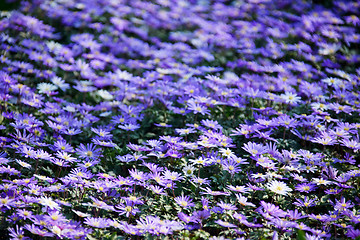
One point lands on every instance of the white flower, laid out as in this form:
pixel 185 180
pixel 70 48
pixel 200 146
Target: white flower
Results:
pixel 105 114
pixel 81 214
pixel 46 87
pixel 23 164
pixel 278 187
pixel 56 230
pixel 44 178
pixel 60 83
pixel 329 49
pixel 243 200
pixel 123 75
pixel 189 170
pixel 48 202
pixel 331 81
pixel 70 109
pixel 318 106
pixel 290 98
pixel 106 95
pixel 227 153
pixel 321 181
pixel 53 46
pixel 201 160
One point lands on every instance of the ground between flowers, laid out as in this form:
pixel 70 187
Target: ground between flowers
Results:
pixel 173 119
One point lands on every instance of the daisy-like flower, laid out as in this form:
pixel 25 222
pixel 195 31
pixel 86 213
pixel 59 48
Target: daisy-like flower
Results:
pixel 173 176
pixel 343 204
pixel 46 88
pixel 129 127
pixel 103 133
pixel 197 108
pixel 321 181
pixel 23 164
pixel 81 214
pixel 208 191
pixel 290 98
pixel 89 151
pixel 243 200
pixel 306 187
pixel 60 83
pixel 227 153
pixel 225 224
pixel 211 124
pixel 201 161
pixel 162 124
pixel 48 202
pixel 270 209
pixel 157 190
pixel 17 233
pixel 106 95
pixel 37 231
pixel 231 166
pixel 226 206
pixel 7 202
pixel 103 143
pixel 254 149
pixel 189 170
pixel 278 187
pixel 184 201
pixel 307 202
pixel 350 143
pixel 127 209
pixel 331 81
pixel 200 181
pixel 97 222
pixel 240 189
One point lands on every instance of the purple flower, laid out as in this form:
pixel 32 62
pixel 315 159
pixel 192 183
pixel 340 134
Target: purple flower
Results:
pixel 89 151
pixel 282 224
pixel 231 166
pixel 294 214
pixel 6 202
pixel 186 218
pixel 353 233
pixel 208 191
pixel 197 108
pixel 306 187
pixel 138 175
pixel 352 19
pixel 272 209
pixel 307 202
pixel 184 201
pixel 226 206
pixel 38 231
pixel 201 215
pixel 17 233
pixel 343 204
pixel 333 191
pixel 81 173
pixel 225 224
pixel 129 127
pixel 127 209
pixel 211 124
pixel 254 149
pixel 158 190
pixel 97 222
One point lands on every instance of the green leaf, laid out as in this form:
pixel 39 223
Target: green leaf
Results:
pixel 113 236
pixel 300 235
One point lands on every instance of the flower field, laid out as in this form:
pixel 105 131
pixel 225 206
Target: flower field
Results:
pixel 180 119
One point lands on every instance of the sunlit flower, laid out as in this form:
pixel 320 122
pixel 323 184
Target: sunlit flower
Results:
pixel 278 187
